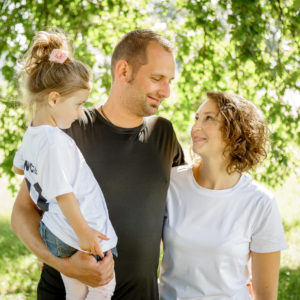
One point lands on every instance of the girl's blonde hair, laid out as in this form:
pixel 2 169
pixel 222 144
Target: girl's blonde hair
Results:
pixel 42 76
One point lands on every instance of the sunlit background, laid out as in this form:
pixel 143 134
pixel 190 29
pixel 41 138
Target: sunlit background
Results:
pixel 247 47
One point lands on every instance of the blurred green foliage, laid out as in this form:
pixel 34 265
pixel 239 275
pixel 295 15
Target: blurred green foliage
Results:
pixel 247 47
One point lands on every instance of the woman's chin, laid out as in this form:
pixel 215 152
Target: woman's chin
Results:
pixel 197 150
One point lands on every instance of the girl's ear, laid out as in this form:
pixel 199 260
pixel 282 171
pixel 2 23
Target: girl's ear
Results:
pixel 53 98
pixel 123 71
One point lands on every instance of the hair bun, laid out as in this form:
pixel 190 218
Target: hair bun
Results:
pixel 43 44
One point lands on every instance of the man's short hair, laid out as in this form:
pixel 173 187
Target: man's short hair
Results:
pixel 133 48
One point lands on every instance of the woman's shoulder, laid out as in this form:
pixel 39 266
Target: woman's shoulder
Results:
pixel 258 191
pixel 181 172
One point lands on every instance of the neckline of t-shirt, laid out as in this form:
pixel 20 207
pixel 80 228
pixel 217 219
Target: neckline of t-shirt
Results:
pixel 117 128
pixel 216 192
pixel 43 126
pixel 37 129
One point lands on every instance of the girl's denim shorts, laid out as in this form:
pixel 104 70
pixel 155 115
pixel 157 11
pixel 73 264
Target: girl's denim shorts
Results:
pixel 58 247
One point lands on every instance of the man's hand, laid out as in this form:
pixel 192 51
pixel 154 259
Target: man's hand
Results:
pixel 86 269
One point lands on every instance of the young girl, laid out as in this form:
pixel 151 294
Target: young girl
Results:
pixel 59 180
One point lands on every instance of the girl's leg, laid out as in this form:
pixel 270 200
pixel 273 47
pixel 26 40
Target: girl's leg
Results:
pixel 104 292
pixel 75 290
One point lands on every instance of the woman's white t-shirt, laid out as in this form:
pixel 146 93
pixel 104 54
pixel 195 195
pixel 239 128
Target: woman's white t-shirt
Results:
pixel 208 235
pixel 53 165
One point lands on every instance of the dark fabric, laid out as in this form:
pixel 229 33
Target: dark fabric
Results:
pixel 132 167
pixel 50 286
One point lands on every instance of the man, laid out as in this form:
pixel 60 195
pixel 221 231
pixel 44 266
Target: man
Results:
pixel 131 157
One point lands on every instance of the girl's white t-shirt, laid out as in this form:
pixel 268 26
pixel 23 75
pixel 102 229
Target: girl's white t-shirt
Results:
pixel 208 235
pixel 53 165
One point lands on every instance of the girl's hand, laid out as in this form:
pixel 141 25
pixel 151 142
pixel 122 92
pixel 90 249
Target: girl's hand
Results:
pixel 89 241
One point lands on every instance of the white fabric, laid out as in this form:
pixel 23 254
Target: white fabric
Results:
pixel 76 290
pixel 208 235
pixel 51 158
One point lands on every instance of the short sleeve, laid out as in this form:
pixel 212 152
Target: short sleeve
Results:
pixel 18 159
pixel 268 234
pixel 54 174
pixel 178 154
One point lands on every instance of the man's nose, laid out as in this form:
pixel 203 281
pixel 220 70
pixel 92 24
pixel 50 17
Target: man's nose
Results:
pixel 164 91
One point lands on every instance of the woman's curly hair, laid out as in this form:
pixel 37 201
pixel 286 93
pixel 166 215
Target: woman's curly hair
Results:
pixel 244 130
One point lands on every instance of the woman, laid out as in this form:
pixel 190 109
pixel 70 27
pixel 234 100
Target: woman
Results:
pixel 218 217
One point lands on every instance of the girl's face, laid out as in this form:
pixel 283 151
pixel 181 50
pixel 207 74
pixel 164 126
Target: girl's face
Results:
pixel 68 109
pixel 206 132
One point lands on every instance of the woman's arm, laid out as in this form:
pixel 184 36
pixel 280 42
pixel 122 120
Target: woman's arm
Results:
pixel 265 273
pixel 25 222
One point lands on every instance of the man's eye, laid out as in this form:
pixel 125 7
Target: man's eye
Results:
pixel 155 79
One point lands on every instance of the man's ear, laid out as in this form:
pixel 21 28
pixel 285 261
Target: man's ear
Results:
pixel 123 71
pixel 53 98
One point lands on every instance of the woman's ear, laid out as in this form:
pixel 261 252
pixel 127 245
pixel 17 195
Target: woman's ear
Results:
pixel 53 98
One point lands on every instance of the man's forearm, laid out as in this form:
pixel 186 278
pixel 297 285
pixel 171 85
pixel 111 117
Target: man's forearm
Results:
pixel 25 222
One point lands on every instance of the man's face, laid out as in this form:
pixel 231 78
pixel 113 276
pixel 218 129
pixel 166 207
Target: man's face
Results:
pixel 151 82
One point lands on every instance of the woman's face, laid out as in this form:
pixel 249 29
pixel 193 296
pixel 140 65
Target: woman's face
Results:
pixel 206 132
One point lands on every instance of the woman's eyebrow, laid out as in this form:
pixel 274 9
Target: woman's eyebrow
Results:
pixel 210 113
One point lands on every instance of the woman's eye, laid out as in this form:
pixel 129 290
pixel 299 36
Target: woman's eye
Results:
pixel 209 118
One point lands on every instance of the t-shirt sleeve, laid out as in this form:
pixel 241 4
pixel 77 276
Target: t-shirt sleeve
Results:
pixel 178 158
pixel 18 159
pixel 268 234
pixel 54 176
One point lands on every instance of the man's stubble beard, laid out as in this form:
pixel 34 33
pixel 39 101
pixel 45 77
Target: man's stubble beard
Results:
pixel 140 104
pixel 149 109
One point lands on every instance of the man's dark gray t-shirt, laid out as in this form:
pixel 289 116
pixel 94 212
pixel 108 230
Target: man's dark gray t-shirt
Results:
pixel 132 167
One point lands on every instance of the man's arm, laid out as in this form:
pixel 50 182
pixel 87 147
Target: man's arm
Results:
pixel 25 222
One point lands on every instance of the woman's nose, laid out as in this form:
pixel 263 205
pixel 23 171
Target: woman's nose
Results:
pixel 197 126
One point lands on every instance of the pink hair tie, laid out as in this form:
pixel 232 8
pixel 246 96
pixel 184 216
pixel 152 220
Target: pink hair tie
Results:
pixel 58 56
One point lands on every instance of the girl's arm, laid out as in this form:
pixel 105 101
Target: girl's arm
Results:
pixel 88 237
pixel 17 170
pixel 265 273
pixel 25 222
